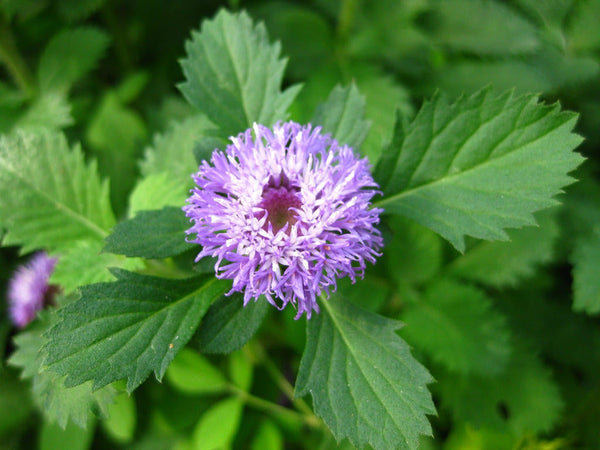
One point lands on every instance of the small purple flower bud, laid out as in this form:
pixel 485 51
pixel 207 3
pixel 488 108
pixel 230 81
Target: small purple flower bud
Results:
pixel 286 212
pixel 28 289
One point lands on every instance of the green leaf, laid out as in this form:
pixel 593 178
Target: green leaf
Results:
pixel 73 10
pixel 192 373
pixel 342 115
pixel 15 398
pixel 240 370
pixel 523 399
pixel 84 263
pixel 228 324
pixel 150 234
pixel 364 382
pixel 586 283
pixel 233 74
pixel 50 110
pixel 69 56
pixel 483 27
pixel 478 166
pixel 49 197
pixel 122 417
pixel 173 151
pixel 217 426
pixel 500 264
pixel 582 33
pixel 156 191
pixel 128 328
pixel 55 437
pixel 456 325
pixel 58 403
pixel 268 437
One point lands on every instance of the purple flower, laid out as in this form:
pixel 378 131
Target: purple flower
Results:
pixel 285 212
pixel 29 288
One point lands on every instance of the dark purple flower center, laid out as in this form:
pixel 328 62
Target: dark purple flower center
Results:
pixel 278 198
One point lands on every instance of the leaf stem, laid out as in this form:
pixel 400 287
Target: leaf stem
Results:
pixel 272 408
pixel 13 60
pixel 285 386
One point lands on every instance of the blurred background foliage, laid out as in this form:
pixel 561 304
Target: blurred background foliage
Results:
pixel 116 91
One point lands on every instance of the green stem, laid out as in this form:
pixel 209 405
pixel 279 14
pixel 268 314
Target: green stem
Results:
pixel 286 387
pixel 269 407
pixel 13 60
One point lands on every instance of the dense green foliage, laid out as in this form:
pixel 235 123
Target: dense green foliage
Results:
pixel 478 326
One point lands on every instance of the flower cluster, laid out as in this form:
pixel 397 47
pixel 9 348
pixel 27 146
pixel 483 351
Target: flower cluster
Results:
pixel 28 289
pixel 285 212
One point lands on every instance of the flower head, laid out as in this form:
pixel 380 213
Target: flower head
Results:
pixel 29 288
pixel 285 212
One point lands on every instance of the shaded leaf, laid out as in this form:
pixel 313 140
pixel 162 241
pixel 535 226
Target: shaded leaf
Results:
pixel 150 234
pixel 586 267
pixel 456 325
pixel 69 56
pixel 363 380
pixel 233 74
pixel 228 324
pixel 217 426
pixel 342 115
pixel 192 373
pixel 127 328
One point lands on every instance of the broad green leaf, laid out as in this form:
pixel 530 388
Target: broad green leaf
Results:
pixel 268 437
pixel 58 403
pixel 582 32
pixel 116 133
pixel 586 267
pixel 342 115
pixel 69 56
pixel 127 328
pixel 483 27
pixel 233 74
pixel 173 151
pixel 50 110
pixel 414 254
pixel 363 380
pixel 84 263
pixel 121 418
pixel 478 166
pixel 501 264
pixel 157 191
pixel 150 234
pixel 49 197
pixel 54 437
pixel 240 370
pixel 217 426
pixel 192 373
pixel 523 399
pixel 228 324
pixel 73 10
pixel 456 325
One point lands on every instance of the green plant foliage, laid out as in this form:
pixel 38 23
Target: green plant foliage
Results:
pixel 84 263
pixel 192 373
pixel 456 325
pixel 475 167
pixel 342 115
pixel 53 437
pixel 121 418
pixel 128 328
pixel 69 56
pixel 156 191
pixel 500 264
pixel 150 234
pixel 233 74
pixel 61 405
pixel 50 111
pixel 57 199
pixel 498 30
pixel 363 380
pixel 218 425
pixel 229 324
pixel 523 399
pixel 586 283
pixel 14 398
